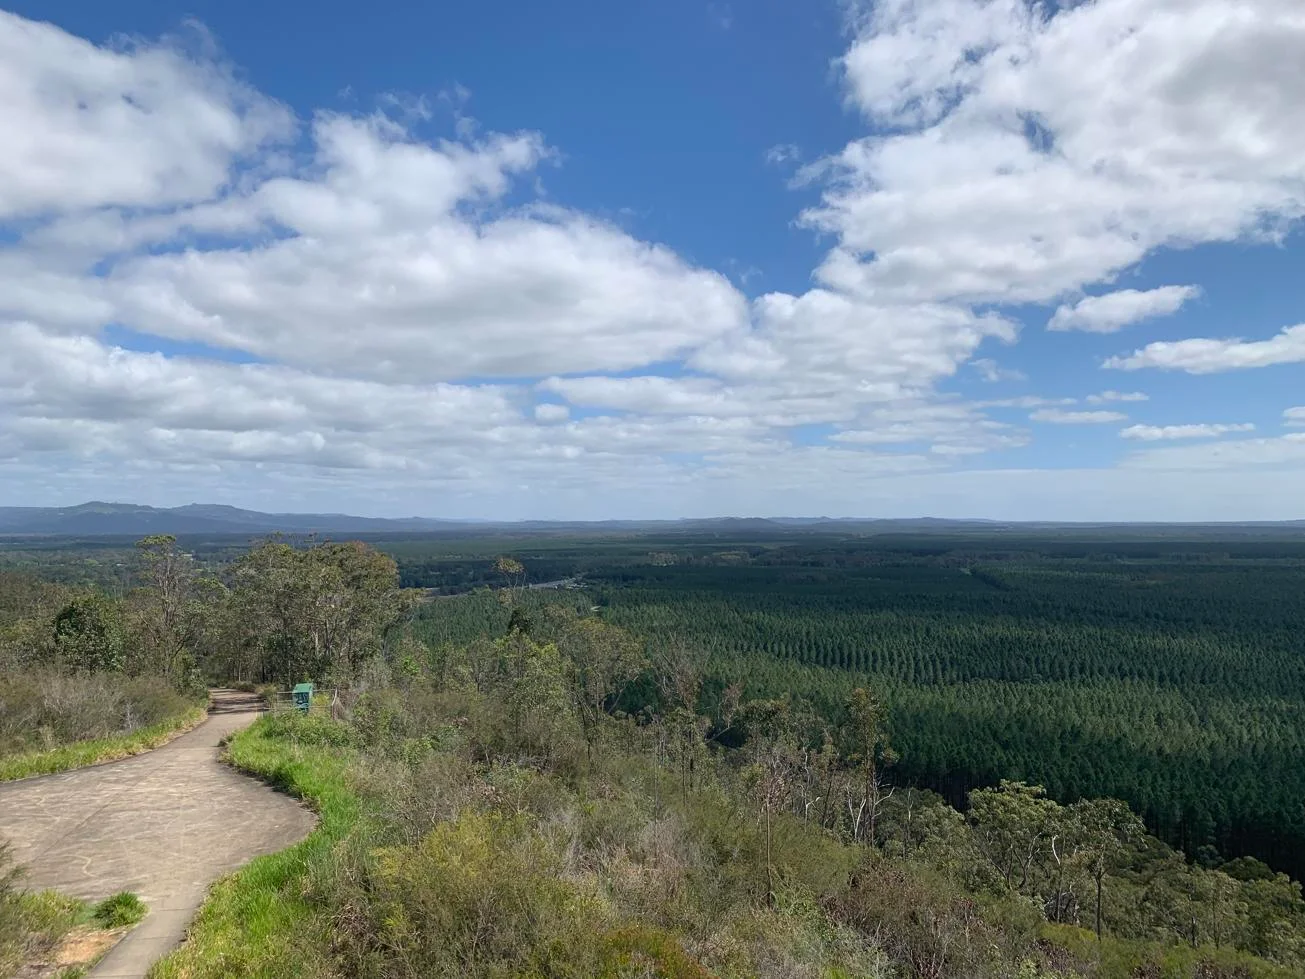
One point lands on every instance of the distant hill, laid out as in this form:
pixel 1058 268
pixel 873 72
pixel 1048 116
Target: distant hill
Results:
pixel 98 519
pixel 128 519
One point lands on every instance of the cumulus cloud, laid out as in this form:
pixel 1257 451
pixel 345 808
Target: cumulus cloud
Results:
pixel 550 412
pixel 1116 310
pixel 1206 356
pixel 384 274
pixel 408 301
pixel 1294 416
pixel 829 337
pixel 1056 416
pixel 143 126
pixel 1029 150
pixel 1159 433
pixel 76 394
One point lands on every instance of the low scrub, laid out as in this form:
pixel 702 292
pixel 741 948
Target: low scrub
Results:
pixel 41 710
pixel 98 750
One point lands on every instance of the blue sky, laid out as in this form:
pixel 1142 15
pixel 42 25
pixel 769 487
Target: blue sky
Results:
pixel 615 260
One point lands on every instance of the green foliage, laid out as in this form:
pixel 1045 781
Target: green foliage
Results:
pixel 294 613
pixel 95 751
pixel 1173 681
pixel 467 832
pixel 51 721
pixel 481 895
pixel 119 910
pixel 1166 672
pixel 88 634
pixel 31 924
pixel 693 776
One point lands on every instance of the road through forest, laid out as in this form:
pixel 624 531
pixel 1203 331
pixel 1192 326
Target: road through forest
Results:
pixel 165 825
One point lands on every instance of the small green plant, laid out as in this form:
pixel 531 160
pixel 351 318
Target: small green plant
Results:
pixel 119 911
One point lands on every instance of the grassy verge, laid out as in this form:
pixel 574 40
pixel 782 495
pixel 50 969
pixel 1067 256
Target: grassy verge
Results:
pixel 82 753
pixel 38 924
pixel 256 922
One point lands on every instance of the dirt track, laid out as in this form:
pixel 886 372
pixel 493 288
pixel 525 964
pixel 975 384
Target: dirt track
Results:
pixel 164 824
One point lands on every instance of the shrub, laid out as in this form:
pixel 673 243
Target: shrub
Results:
pixel 481 895
pixel 120 910
pixel 922 920
pixel 310 729
pixel 11 924
pixel 42 708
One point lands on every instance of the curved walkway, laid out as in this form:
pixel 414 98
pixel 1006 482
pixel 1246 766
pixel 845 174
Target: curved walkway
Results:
pixel 165 824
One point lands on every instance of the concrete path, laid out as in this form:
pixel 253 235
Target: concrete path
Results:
pixel 165 824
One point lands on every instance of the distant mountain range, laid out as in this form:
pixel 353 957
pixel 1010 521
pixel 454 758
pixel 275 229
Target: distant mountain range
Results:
pixel 129 519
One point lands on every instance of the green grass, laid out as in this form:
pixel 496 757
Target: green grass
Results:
pixel 82 753
pixel 119 911
pixel 34 923
pixel 257 922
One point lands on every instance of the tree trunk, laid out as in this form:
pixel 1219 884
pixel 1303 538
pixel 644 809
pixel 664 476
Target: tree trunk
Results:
pixel 770 878
pixel 1099 878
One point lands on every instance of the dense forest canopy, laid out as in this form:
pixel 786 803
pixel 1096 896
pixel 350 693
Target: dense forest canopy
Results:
pixel 1170 673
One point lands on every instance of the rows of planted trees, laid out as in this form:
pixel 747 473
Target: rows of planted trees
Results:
pixel 1168 674
pixel 1177 684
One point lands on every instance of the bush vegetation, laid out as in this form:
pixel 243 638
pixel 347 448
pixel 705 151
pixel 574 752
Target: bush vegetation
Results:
pixel 493 808
pixel 52 721
pixel 531 789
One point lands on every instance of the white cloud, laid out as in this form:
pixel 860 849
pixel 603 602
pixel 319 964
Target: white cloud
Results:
pixel 825 337
pixel 1056 416
pixel 1205 356
pixel 74 394
pixel 412 299
pixel 1287 450
pixel 783 154
pixel 1028 151
pixel 549 413
pixel 992 372
pixel 1113 397
pixel 647 395
pixel 1116 310
pixel 384 274
pixel 949 428
pixel 143 126
pixel 1026 401
pixel 1159 433
pixel 1294 416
